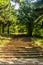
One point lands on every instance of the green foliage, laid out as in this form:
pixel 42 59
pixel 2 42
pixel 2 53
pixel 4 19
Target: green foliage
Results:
pixel 6 18
pixel 27 19
pixel 4 3
pixel 38 22
pixel 38 29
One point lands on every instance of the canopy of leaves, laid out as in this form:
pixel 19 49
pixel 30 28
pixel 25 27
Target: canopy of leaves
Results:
pixel 28 17
pixel 4 3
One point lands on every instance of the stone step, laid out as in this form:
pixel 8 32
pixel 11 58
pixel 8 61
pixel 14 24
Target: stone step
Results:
pixel 19 52
pixel 20 56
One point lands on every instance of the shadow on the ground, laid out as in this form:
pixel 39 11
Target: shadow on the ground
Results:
pixel 27 39
pixel 14 35
pixel 19 35
pixel 23 37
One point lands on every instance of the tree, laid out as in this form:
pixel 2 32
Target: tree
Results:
pixel 25 16
pixel 38 22
pixel 7 15
pixel 3 5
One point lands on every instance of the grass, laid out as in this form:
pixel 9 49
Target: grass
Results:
pixel 38 42
pixel 4 40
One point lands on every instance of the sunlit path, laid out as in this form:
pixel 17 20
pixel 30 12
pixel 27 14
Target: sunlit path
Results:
pixel 19 51
pixel 21 61
pixel 21 56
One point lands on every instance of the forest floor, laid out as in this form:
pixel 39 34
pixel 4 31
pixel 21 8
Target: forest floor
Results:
pixel 21 41
pixel 20 47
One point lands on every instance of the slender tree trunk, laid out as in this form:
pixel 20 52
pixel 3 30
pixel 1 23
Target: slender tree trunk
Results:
pixel 8 29
pixel 29 32
pixel 0 28
pixel 30 29
pixel 3 28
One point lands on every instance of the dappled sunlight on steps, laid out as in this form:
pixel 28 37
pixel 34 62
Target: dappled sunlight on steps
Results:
pixel 20 52
pixel 21 61
pixel 20 56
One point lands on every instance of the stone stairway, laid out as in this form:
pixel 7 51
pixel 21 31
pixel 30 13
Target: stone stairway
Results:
pixel 20 52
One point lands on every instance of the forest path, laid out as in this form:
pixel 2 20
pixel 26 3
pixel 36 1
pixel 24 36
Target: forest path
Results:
pixel 19 51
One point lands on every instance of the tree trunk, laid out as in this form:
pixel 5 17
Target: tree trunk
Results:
pixel 8 29
pixel 29 32
pixel 30 29
pixel 2 28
